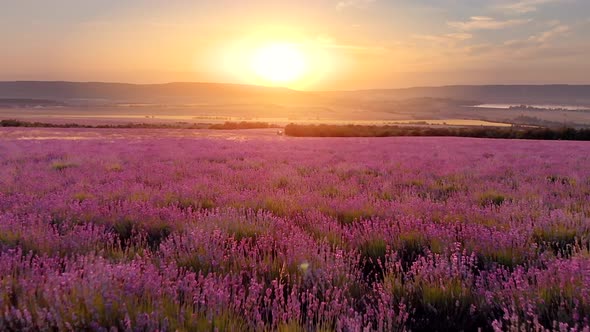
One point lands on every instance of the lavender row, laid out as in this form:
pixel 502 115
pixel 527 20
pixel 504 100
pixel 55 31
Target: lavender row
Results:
pixel 193 233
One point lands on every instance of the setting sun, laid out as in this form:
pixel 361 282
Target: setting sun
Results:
pixel 279 63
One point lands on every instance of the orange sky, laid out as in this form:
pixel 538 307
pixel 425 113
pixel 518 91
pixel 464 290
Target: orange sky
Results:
pixel 348 44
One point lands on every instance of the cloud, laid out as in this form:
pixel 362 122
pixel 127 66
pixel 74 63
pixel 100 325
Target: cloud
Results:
pixel 540 45
pixel 556 31
pixel 344 4
pixel 541 39
pixel 354 48
pixel 479 49
pixel 485 23
pixel 328 42
pixel 459 36
pixel 445 38
pixel 548 44
pixel 525 6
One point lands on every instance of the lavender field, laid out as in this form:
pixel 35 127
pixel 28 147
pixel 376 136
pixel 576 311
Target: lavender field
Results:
pixel 143 230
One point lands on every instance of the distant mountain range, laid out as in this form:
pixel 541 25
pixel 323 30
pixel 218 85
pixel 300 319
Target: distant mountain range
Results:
pixel 204 93
pixel 523 94
pixel 168 93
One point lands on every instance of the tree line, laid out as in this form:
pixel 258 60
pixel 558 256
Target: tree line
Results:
pixel 514 132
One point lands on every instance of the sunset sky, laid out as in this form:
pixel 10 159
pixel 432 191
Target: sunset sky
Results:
pixel 323 44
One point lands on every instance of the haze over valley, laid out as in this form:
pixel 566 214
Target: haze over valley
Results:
pixel 214 102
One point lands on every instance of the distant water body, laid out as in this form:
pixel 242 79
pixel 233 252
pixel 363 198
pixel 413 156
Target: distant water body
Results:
pixel 507 106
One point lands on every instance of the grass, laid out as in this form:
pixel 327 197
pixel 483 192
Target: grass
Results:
pixel 196 261
pixel 410 246
pixel 564 180
pixel 437 305
pixel 82 196
pixel 349 216
pixel 114 167
pixel 442 189
pixel 384 196
pixel 244 231
pixel 448 305
pixel 373 253
pixel 186 202
pixel 84 310
pixel 330 192
pixel 332 237
pixel 280 207
pixel 10 239
pixel 60 165
pixel 558 238
pixel 282 183
pixel 393 283
pixel 156 233
pixel 505 256
pixel 130 232
pixel 491 198
pixel 297 327
pixel 557 303
pixel 445 297
pixel 124 229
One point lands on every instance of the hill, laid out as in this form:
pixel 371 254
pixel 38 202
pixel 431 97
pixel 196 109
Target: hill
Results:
pixel 168 93
pixel 248 102
pixel 192 92
pixel 526 94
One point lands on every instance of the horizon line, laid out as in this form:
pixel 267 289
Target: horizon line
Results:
pixel 292 89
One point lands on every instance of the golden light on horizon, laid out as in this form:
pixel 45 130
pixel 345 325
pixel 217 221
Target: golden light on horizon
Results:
pixel 279 63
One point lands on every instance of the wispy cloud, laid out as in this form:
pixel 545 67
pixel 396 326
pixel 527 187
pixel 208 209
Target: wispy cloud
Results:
pixel 478 49
pixel 485 23
pixel 556 31
pixel 525 6
pixel 327 42
pixel 445 38
pixel 543 45
pixel 343 4
pixel 542 39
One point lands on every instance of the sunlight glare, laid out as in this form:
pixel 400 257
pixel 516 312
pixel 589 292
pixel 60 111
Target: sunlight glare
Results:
pixel 279 63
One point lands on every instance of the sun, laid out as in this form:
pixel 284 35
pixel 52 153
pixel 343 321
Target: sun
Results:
pixel 279 63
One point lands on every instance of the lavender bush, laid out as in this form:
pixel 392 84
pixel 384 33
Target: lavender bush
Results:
pixel 138 230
